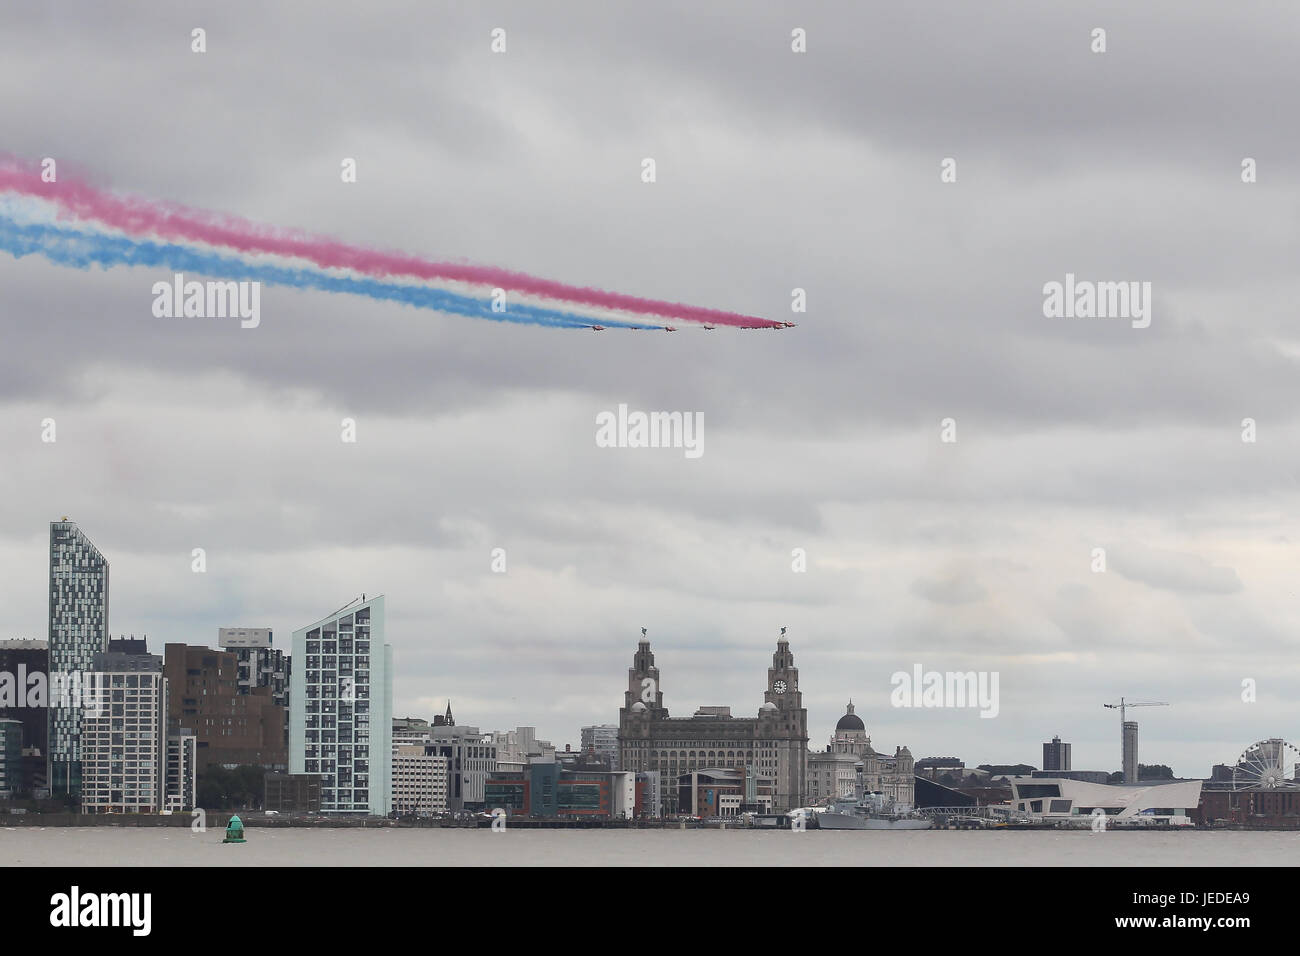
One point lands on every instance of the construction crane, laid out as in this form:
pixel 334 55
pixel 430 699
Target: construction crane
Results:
pixel 1135 703
pixel 1122 707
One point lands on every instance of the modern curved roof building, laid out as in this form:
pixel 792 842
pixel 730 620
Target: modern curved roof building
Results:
pixel 1061 798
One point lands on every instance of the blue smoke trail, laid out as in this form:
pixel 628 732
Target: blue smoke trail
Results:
pixel 81 250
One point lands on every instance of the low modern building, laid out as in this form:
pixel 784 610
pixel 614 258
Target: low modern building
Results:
pixel 650 798
pixel 546 790
pixel 1065 799
pixel 293 793
pixel 724 792
pixel 1087 776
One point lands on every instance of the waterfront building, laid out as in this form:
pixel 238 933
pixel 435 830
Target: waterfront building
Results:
pixel 341 708
pixel 851 767
pixel 27 664
pixel 1268 809
pixel 1070 800
pixel 723 792
pixel 124 732
pixel 1088 776
pixel 292 793
pixel 602 740
pixel 773 744
pixel 78 622
pixel 420 781
pixel 572 759
pixel 259 665
pixel 831 776
pixel 894 776
pixel 1056 755
pixel 233 726
pixel 650 801
pixel 470 754
pixel 836 772
pixel 545 789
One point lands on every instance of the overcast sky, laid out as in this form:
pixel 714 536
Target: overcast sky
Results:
pixel 775 170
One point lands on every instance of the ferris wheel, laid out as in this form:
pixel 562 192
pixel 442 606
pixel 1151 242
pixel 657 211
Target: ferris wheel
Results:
pixel 1267 765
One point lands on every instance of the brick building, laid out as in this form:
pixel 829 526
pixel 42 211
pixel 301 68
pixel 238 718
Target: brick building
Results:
pixel 231 728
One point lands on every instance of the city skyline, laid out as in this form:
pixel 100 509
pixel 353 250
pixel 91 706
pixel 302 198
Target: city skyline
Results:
pixel 263 637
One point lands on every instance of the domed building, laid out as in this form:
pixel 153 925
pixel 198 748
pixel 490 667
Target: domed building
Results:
pixel 850 766
pixel 850 734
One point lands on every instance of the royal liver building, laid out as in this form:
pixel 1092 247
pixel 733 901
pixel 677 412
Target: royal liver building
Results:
pixel 773 746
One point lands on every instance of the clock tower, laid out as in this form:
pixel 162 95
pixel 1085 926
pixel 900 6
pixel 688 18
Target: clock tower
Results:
pixel 784 726
pixel 783 679
pixel 767 754
pixel 643 708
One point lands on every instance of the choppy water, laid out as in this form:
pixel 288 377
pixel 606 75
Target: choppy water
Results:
pixel 130 846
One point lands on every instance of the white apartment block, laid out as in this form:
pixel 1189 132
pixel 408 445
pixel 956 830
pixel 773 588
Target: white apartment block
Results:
pixel 341 709
pixel 123 743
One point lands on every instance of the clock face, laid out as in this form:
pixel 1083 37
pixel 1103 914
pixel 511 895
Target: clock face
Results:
pixel 779 687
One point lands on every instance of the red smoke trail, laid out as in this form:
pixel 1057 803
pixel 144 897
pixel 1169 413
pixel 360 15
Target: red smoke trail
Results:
pixel 173 222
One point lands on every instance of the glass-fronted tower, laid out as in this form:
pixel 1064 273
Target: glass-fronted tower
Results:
pixel 78 631
pixel 341 708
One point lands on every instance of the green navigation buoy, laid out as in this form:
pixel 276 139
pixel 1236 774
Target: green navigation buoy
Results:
pixel 235 831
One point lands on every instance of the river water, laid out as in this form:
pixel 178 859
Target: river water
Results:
pixel 147 846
